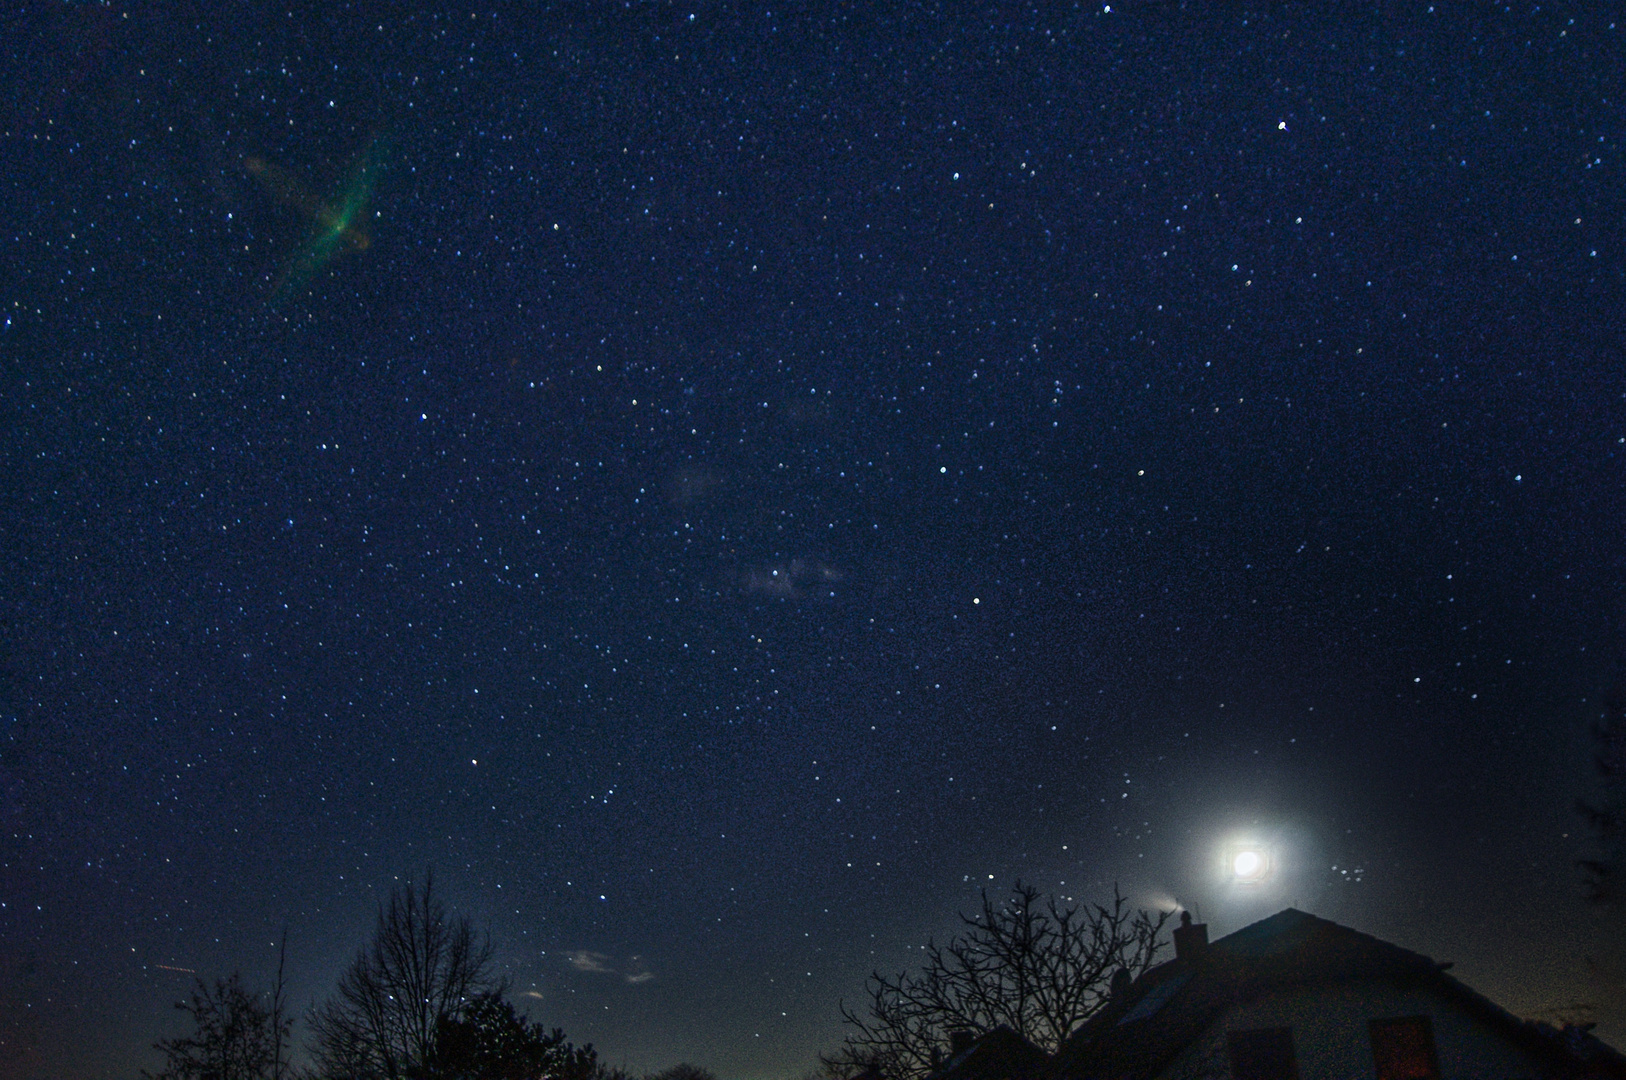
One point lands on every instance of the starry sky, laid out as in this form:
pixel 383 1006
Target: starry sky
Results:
pixel 719 484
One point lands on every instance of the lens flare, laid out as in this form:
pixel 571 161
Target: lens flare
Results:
pixel 1248 862
pixel 337 225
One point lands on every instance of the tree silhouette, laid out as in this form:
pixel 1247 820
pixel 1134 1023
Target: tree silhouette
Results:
pixel 1607 817
pixel 1040 968
pixel 235 1036
pixel 489 1041
pixel 683 1071
pixel 422 969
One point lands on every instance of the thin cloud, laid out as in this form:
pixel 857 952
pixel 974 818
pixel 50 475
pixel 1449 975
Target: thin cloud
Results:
pixel 793 579
pixel 635 971
pixel 585 960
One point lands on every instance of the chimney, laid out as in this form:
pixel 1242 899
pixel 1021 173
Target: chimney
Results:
pixel 1121 981
pixel 961 1040
pixel 1190 939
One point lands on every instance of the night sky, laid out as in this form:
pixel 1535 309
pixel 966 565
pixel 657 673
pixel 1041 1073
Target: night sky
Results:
pixel 720 484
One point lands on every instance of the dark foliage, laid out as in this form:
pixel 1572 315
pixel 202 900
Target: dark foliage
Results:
pixel 1040 968
pixel 236 1035
pixel 489 1041
pixel 683 1071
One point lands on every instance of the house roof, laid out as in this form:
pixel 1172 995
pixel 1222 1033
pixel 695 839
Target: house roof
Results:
pixel 1144 1026
pixel 1001 1054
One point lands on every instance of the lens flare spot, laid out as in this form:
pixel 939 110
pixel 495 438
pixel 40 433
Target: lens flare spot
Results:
pixel 337 224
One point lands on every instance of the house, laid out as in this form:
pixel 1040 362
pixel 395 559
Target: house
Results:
pixel 1294 997
pixel 1001 1054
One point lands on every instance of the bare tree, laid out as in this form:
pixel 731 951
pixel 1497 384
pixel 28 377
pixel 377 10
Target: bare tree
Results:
pixel 234 1036
pixel 281 1022
pixel 1607 817
pixel 1040 968
pixel 421 968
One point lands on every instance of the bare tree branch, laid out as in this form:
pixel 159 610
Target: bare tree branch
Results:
pixel 421 967
pixel 281 1023
pixel 1601 876
pixel 234 1036
pixel 1038 967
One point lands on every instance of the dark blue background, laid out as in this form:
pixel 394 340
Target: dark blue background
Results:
pixel 772 472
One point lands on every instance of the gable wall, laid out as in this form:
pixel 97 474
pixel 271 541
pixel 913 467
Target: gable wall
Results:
pixel 1331 1042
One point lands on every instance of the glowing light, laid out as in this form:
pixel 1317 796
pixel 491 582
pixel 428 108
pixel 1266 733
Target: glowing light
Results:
pixel 1248 863
pixel 338 225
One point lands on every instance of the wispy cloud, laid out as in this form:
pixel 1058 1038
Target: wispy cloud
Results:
pixel 795 578
pixel 634 971
pixel 584 960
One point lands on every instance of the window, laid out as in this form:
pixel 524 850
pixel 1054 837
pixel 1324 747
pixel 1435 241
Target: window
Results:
pixel 1264 1054
pixel 1403 1049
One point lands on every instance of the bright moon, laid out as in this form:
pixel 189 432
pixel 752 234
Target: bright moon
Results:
pixel 1247 864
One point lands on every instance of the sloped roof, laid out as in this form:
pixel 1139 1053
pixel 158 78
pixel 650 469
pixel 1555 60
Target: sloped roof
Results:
pixel 1001 1054
pixel 1142 1028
